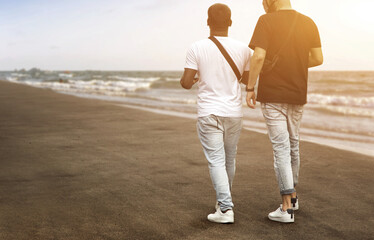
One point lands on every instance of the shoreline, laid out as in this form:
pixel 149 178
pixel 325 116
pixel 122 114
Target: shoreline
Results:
pixel 344 141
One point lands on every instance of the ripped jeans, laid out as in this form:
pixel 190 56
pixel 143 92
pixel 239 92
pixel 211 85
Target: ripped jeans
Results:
pixel 283 123
pixel 219 137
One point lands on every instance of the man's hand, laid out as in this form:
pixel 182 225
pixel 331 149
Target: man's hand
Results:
pixel 251 99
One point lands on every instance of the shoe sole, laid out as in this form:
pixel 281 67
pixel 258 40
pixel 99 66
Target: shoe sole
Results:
pixel 225 222
pixel 281 220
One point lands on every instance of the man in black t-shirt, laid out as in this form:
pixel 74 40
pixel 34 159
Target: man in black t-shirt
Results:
pixel 293 38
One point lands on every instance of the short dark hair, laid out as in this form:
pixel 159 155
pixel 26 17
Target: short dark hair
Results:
pixel 219 16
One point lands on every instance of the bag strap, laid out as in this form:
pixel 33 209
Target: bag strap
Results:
pixel 289 34
pixel 227 57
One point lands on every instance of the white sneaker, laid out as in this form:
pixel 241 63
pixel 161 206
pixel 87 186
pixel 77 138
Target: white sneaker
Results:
pixel 220 217
pixel 280 216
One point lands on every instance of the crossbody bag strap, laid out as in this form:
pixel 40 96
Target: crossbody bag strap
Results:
pixel 292 30
pixel 227 57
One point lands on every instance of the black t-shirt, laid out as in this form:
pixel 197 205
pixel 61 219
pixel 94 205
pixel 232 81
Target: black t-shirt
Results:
pixel 287 81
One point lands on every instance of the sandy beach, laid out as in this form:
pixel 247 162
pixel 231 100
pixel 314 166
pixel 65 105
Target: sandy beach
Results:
pixel 74 168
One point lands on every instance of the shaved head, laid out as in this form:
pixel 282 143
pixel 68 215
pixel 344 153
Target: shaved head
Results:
pixel 219 16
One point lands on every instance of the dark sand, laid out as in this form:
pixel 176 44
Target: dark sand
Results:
pixel 76 168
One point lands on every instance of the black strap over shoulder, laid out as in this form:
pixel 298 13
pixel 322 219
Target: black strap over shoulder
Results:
pixel 227 57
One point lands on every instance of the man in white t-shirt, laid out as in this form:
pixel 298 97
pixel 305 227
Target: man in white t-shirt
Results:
pixel 219 104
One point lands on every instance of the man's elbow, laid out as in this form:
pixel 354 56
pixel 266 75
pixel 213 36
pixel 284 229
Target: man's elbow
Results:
pixel 183 84
pixel 316 56
pixel 258 58
pixel 318 61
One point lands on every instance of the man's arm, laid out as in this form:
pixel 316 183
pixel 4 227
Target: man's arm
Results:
pixel 188 79
pixel 257 61
pixel 245 78
pixel 315 57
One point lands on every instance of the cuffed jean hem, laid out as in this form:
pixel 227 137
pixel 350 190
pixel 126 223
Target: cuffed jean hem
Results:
pixel 288 191
pixel 225 208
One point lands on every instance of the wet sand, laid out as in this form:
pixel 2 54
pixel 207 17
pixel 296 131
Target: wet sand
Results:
pixel 74 168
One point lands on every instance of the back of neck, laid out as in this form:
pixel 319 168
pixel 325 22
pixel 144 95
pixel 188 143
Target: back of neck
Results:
pixel 219 33
pixel 285 6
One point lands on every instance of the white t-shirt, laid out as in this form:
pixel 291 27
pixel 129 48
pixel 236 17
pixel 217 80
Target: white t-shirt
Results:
pixel 219 90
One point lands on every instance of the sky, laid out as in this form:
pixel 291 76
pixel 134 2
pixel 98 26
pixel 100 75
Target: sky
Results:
pixel 155 34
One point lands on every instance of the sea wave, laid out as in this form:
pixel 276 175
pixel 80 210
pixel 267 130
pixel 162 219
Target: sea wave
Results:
pixel 93 86
pixel 361 102
pixel 343 81
pixel 11 79
pixel 345 111
pixel 172 79
pixel 65 75
pixel 135 79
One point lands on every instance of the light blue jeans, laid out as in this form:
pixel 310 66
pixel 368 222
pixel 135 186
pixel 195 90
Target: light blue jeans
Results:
pixel 283 123
pixel 219 137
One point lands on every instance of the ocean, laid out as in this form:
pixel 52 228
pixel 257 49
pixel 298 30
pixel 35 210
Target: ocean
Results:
pixel 339 113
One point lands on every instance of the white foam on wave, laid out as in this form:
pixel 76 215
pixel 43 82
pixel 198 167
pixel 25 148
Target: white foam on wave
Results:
pixel 93 86
pixel 108 88
pixel 172 79
pixel 65 75
pixel 11 79
pixel 345 105
pixel 341 100
pixel 135 79
pixel 19 75
pixel 359 112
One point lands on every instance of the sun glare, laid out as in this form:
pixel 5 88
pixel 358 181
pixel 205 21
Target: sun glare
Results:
pixel 357 14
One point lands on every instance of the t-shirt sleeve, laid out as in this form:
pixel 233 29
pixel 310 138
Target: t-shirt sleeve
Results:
pixel 315 40
pixel 261 35
pixel 191 59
